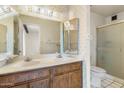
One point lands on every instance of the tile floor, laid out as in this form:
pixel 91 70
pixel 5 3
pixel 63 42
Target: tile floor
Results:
pixel 111 82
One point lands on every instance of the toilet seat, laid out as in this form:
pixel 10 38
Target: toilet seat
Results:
pixel 97 69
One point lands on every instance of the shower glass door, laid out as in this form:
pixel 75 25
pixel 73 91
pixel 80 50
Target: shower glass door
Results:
pixel 108 49
pixel 122 50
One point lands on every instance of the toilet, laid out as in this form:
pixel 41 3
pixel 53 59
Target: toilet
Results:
pixel 97 74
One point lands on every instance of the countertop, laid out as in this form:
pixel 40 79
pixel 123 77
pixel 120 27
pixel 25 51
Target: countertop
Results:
pixel 36 63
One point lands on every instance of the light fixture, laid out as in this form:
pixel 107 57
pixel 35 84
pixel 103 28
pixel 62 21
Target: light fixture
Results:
pixel 67 25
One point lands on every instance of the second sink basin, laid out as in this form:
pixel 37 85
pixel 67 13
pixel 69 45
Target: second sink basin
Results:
pixel 26 64
pixel 43 61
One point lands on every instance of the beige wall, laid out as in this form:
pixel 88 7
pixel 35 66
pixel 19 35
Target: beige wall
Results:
pixel 119 18
pixel 83 13
pixel 50 33
pixel 95 20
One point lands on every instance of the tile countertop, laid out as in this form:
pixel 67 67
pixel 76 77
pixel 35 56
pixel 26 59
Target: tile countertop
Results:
pixel 37 63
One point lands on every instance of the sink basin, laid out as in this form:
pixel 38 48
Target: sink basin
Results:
pixel 44 61
pixel 3 60
pixel 2 63
pixel 26 64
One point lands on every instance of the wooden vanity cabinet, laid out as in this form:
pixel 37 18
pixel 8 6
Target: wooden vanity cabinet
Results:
pixel 67 76
pixel 75 79
pixel 40 84
pixel 22 86
pixel 61 81
pixel 35 84
pixel 60 76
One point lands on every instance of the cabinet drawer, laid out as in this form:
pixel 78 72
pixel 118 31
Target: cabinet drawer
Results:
pixel 76 66
pixel 40 84
pixel 43 73
pixel 11 79
pixel 66 68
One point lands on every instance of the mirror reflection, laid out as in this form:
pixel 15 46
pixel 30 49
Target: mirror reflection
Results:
pixel 7 35
pixel 3 38
pixel 41 36
pixel 27 35
pixel 71 36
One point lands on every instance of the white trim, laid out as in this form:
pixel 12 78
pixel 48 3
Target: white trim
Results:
pixel 113 23
pixel 61 38
pixel 24 48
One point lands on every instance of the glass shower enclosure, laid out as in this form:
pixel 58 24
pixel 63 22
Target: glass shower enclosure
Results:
pixel 110 49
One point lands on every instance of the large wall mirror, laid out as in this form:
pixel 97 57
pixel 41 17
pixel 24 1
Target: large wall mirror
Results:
pixel 40 36
pixel 7 35
pixel 71 31
pixel 27 35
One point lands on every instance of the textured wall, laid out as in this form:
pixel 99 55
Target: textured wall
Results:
pixel 96 20
pixel 120 17
pixel 83 13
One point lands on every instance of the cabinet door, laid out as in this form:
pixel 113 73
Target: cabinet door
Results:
pixel 75 79
pixel 21 86
pixel 61 81
pixel 40 84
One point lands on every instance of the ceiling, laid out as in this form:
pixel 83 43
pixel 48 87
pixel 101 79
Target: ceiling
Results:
pixel 107 10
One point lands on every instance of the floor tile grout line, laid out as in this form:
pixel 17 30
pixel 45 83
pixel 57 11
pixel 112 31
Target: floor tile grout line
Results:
pixel 109 84
pixel 118 82
pixel 111 81
pixel 107 79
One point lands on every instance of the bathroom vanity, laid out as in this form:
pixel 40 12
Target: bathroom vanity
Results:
pixel 53 75
pixel 32 36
